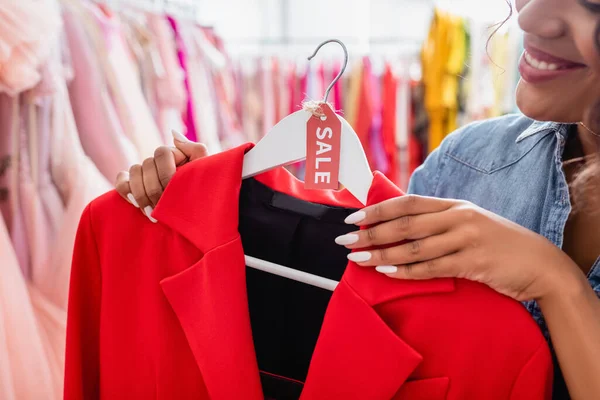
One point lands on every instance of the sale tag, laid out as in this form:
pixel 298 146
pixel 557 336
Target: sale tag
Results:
pixel 323 143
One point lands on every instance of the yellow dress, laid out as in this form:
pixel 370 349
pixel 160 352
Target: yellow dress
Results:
pixel 351 100
pixel 443 57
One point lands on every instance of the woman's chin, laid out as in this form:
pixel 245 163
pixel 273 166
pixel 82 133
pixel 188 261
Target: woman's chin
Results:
pixel 545 105
pixel 539 107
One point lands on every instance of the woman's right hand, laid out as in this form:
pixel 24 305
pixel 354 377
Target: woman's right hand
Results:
pixel 144 184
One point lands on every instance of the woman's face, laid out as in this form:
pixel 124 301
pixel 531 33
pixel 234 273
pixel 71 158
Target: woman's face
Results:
pixel 560 68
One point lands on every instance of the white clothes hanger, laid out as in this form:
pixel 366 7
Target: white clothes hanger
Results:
pixel 285 144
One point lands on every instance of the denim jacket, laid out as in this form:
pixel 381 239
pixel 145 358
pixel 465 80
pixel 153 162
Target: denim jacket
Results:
pixel 511 166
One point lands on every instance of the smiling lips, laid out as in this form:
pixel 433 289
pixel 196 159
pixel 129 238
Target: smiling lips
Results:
pixel 537 67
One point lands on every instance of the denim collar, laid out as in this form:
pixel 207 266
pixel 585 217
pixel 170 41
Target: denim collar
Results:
pixel 541 126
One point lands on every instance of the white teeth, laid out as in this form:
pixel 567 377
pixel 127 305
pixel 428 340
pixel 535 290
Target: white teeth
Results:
pixel 541 65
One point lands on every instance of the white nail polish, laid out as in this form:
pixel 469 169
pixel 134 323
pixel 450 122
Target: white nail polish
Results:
pixel 360 256
pixel 355 218
pixel 148 211
pixel 344 240
pixel 132 200
pixel 179 136
pixel 387 269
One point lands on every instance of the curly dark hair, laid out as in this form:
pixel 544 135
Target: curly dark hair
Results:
pixel 585 187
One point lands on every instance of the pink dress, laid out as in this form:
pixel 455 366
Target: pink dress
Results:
pixel 26 29
pixel 78 180
pixel 123 79
pixel 39 234
pixel 25 371
pixel 169 85
pixel 10 204
pixel 102 135
pixel 202 91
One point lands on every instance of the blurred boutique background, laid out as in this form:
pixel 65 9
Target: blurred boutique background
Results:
pixel 88 88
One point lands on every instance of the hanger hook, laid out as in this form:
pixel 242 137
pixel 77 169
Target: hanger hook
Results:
pixel 337 78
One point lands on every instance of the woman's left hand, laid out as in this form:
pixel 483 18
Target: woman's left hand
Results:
pixel 451 238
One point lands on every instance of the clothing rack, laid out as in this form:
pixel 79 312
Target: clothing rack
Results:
pixel 311 41
pixel 404 46
pixel 181 9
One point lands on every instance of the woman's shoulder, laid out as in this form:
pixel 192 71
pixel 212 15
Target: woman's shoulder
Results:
pixel 501 131
pixel 496 143
pixel 484 148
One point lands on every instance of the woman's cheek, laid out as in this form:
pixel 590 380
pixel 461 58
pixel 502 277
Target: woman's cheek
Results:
pixel 519 4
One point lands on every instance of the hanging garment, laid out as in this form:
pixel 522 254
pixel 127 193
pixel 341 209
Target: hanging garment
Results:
pixel 25 372
pixel 188 116
pixel 352 99
pixel 267 90
pixel 363 114
pixel 169 85
pixel 26 29
pixel 294 88
pixel 480 82
pixel 168 315
pixel 10 203
pixel 435 53
pixel 202 91
pixel 40 145
pixel 377 147
pixel 77 179
pixel 123 80
pixel 337 88
pixel 418 127
pixel 389 122
pixel 453 68
pixel 252 121
pixel 100 130
pixel 230 131
pixel 39 230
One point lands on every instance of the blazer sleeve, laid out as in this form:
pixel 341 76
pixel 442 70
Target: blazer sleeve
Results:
pixel 82 366
pixel 536 377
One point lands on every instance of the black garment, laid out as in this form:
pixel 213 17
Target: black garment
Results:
pixel 286 315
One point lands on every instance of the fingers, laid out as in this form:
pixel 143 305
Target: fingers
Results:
pixel 399 207
pixel 144 184
pixel 122 187
pixel 136 183
pixel 151 181
pixel 165 162
pixel 409 227
pixel 421 250
pixel 444 267
pixel 190 150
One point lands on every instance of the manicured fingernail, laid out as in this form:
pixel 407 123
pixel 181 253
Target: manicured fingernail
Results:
pixel 344 240
pixel 148 211
pixel 387 269
pixel 360 256
pixel 132 200
pixel 178 136
pixel 355 218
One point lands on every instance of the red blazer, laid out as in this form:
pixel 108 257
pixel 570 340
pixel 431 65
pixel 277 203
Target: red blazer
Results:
pixel 159 311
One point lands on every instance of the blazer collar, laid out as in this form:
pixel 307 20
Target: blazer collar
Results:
pixel 357 354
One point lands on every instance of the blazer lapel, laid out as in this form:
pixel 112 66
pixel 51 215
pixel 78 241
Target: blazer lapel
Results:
pixel 209 297
pixel 357 355
pixel 211 304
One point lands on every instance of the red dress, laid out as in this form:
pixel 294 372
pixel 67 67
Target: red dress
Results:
pixel 160 310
